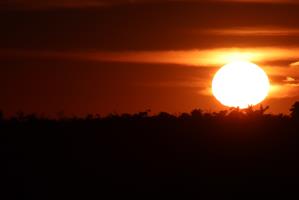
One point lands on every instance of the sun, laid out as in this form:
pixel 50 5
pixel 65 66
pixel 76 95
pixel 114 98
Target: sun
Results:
pixel 240 84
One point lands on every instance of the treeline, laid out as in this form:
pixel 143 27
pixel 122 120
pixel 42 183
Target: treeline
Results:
pixel 206 153
pixel 232 113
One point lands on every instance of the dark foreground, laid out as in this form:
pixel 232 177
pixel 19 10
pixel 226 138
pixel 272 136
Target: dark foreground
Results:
pixel 208 154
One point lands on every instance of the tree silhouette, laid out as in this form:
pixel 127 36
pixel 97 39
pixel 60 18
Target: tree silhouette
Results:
pixel 295 110
pixel 197 113
pixel 250 112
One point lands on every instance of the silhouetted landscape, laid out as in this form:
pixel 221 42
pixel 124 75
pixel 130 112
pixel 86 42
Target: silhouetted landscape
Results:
pixel 206 153
pixel 115 99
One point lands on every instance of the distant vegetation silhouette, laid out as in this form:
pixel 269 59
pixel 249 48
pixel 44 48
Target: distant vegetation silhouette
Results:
pixel 200 152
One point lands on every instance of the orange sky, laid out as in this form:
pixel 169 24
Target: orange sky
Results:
pixel 123 56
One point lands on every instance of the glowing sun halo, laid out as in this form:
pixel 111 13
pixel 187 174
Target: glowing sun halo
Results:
pixel 240 84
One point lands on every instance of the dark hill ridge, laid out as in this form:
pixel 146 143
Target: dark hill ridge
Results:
pixel 206 153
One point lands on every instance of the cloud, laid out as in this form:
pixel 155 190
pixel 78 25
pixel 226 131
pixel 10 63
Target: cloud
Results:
pixel 294 64
pixel 49 4
pixel 251 1
pixel 284 85
pixel 289 79
pixel 52 4
pixel 284 81
pixel 184 84
pixel 284 91
pixel 254 31
pixel 263 1
pixel 201 58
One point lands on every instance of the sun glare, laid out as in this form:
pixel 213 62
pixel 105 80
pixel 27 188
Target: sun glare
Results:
pixel 240 84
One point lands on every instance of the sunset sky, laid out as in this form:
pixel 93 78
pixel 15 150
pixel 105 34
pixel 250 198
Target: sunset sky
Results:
pixel 98 56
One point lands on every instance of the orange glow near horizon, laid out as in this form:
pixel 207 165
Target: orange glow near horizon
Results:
pixel 269 58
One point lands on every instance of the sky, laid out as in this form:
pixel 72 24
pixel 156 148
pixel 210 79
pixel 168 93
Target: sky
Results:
pixel 126 56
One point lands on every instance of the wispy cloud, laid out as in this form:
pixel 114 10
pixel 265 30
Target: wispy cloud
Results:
pixel 262 1
pixel 286 87
pixel 254 31
pixel 289 79
pixel 202 58
pixel 284 90
pixel 50 4
pixel 294 64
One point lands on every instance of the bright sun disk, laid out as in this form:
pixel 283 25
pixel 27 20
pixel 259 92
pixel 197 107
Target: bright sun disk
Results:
pixel 240 84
